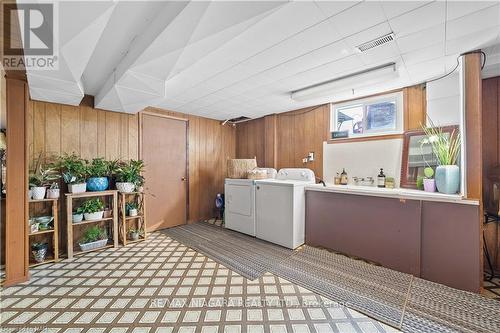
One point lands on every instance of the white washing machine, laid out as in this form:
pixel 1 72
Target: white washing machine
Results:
pixel 281 207
pixel 239 199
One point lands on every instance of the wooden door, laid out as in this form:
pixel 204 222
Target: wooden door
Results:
pixel 164 151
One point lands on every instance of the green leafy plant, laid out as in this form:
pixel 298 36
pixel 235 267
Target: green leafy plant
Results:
pixel 92 206
pixel 93 234
pixel 428 173
pixel 74 168
pixel 130 205
pixel 79 210
pixel 113 167
pixel 446 147
pixel 130 172
pixel 39 246
pixel 43 176
pixel 420 182
pixel 98 167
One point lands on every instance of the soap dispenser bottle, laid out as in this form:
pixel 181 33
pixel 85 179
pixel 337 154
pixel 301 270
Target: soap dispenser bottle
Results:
pixel 343 177
pixel 381 178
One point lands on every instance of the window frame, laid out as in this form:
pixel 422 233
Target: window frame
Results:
pixel 396 97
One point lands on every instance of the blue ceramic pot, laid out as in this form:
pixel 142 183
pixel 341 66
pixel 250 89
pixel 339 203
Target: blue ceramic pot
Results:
pixel 448 179
pixel 97 184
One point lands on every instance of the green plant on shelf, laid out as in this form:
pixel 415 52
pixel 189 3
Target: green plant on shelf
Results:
pixel 98 167
pixel 38 246
pixel 91 206
pixel 130 172
pixel 429 173
pixel 73 168
pixel 43 176
pixel 93 234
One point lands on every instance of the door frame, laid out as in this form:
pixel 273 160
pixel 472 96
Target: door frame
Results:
pixel 161 115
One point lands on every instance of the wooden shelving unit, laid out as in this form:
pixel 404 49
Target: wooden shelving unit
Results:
pixel 126 222
pixel 36 209
pixel 111 199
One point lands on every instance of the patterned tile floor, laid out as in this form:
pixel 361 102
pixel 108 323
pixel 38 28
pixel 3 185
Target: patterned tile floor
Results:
pixel 492 288
pixel 162 286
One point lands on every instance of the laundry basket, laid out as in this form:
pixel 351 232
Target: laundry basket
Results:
pixel 238 168
pixel 257 174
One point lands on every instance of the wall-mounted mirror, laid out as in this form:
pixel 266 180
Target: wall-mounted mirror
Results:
pixel 417 155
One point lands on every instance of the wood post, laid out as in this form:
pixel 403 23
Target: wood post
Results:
pixel 16 249
pixel 472 102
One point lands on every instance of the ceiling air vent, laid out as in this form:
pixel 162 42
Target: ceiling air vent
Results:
pixel 375 43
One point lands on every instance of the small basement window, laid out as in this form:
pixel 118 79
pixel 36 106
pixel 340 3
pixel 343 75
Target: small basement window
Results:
pixel 379 115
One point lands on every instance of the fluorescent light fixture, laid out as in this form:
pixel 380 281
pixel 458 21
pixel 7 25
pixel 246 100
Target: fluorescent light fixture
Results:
pixel 347 82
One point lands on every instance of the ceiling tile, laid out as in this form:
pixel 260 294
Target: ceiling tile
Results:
pixel 424 54
pixel 421 39
pixel 330 8
pixel 358 18
pixel 475 22
pixel 419 19
pixel 458 9
pixel 396 8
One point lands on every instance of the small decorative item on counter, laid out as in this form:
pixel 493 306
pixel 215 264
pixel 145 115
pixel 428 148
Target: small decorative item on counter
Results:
pixel 429 181
pixel 381 178
pixel 93 209
pixel 336 179
pixel 343 178
pixel 39 251
pixel 420 183
pixel 389 182
pixel 53 192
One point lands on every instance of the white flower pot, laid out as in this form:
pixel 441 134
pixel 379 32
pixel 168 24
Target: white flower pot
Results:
pixel 53 193
pixel 77 188
pixel 125 187
pixel 93 245
pixel 38 192
pixel 132 212
pixel 77 218
pixel 134 235
pixel 30 194
pixel 93 216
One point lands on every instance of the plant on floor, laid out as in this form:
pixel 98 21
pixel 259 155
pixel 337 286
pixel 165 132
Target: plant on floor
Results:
pixel 446 148
pixel 93 234
pixel 129 176
pixel 92 209
pixel 39 251
pixel 74 172
pixel 98 171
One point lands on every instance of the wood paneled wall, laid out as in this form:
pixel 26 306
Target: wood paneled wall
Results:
pixel 288 137
pixel 491 156
pixel 89 132
pixel 53 129
pixel 210 145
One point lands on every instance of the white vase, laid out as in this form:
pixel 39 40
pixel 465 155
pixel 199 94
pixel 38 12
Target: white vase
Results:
pixel 77 188
pixel 125 187
pixel 38 192
pixel 53 193
pixel 93 216
pixel 132 212
pixel 448 179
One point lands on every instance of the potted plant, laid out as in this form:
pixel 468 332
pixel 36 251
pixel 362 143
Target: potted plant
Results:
pixel 113 167
pixel 40 179
pixel 74 171
pixel 134 233
pixel 131 209
pixel 128 176
pixel 98 171
pixel 53 192
pixel 446 148
pixel 92 209
pixel 108 212
pixel 429 181
pixel 39 251
pixel 78 215
pixel 93 238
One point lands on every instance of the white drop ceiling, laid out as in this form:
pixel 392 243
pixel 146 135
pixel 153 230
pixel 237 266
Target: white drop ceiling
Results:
pixel 227 59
